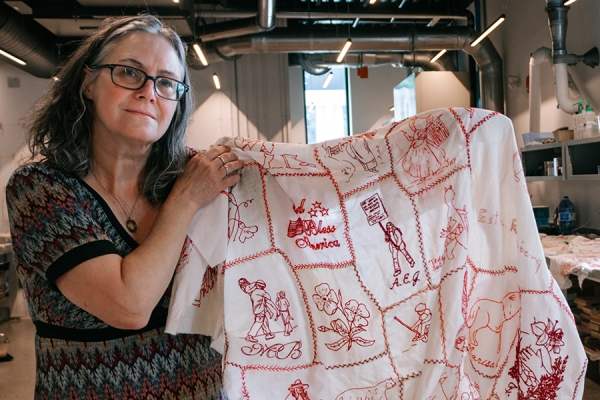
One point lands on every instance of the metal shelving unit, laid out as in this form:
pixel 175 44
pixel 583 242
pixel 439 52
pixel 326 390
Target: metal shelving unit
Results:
pixel 580 159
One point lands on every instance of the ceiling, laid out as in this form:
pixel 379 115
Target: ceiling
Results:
pixel 67 21
pixel 405 33
pixel 71 19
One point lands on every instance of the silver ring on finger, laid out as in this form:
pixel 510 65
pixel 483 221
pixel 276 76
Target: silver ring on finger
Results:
pixel 226 169
pixel 221 158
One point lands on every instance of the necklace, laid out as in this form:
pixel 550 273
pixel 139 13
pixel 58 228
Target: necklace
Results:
pixel 130 224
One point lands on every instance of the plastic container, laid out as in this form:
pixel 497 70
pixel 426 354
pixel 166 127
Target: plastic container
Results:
pixel 578 121
pixel 589 121
pixel 566 216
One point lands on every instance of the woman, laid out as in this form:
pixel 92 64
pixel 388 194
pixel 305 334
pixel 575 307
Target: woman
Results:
pixel 99 223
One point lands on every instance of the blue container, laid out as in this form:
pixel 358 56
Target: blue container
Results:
pixel 566 216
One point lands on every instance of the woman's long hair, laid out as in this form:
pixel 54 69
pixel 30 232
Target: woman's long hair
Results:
pixel 61 123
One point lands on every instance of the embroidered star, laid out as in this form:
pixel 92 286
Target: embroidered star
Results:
pixel 316 205
pixel 313 212
pixel 324 211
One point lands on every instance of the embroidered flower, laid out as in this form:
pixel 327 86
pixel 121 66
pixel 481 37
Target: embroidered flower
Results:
pixel 356 313
pixel 548 336
pixel 325 299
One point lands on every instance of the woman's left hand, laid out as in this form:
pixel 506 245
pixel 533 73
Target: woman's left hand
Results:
pixel 206 175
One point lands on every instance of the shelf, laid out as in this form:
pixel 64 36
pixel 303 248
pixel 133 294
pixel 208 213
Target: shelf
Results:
pixel 580 160
pixel 544 178
pixel 533 158
pixel 583 158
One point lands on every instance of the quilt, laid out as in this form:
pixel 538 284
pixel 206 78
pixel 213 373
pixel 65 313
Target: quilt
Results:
pixel 401 263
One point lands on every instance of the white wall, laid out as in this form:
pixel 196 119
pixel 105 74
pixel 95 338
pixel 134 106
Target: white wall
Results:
pixel 254 100
pixel 15 104
pixel 372 97
pixel 524 31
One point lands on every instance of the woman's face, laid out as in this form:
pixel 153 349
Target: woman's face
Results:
pixel 134 117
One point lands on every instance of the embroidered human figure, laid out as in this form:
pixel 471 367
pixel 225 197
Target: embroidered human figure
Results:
pixel 359 150
pixel 262 307
pixel 424 156
pixel 283 310
pixel 421 327
pixel 393 236
pixel 298 390
pixel 457 225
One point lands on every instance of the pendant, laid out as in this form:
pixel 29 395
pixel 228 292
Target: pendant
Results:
pixel 131 225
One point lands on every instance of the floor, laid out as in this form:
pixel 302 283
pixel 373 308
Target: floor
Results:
pixel 17 377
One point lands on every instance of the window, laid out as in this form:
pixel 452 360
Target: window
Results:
pixel 326 109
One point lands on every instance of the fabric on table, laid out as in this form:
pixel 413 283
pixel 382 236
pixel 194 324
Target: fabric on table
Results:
pixel 571 254
pixel 403 263
pixel 57 222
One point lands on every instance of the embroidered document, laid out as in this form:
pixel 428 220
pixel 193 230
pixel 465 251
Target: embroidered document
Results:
pixel 403 263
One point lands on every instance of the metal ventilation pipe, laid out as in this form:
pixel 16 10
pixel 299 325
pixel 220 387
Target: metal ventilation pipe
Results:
pixel 385 40
pixel 357 60
pixel 557 21
pixel 24 38
pixel 265 21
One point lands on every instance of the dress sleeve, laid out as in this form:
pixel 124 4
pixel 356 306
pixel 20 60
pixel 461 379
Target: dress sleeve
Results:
pixel 53 222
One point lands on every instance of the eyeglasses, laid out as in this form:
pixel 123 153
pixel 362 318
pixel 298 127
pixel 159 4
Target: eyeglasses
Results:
pixel 134 79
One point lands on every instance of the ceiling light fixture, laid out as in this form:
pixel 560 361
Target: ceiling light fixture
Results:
pixel 355 24
pixel 568 3
pixel 216 81
pixel 175 1
pixel 344 50
pixel 11 57
pixel 372 1
pixel 437 56
pixel 327 80
pixel 489 30
pixel 200 54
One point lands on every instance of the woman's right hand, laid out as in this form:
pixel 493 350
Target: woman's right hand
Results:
pixel 206 175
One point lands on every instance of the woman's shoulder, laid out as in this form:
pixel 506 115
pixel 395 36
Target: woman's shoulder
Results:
pixel 34 174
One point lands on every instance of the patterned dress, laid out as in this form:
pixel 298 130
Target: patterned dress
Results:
pixel 57 222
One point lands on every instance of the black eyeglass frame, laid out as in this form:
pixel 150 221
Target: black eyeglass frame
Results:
pixel 112 67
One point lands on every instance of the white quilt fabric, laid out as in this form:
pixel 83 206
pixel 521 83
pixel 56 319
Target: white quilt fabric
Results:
pixel 403 263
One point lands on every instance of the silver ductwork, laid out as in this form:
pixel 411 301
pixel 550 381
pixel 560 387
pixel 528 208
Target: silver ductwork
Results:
pixel 318 64
pixel 27 40
pixel 384 41
pixel 265 21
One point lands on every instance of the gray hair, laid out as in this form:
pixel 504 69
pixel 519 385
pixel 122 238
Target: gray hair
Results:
pixel 61 123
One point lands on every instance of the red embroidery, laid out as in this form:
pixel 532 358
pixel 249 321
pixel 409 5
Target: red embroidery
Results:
pixel 457 225
pixel 208 283
pixel 370 392
pixel 491 314
pixel 544 353
pixel 421 327
pixel 425 156
pixel 356 315
pixel 237 229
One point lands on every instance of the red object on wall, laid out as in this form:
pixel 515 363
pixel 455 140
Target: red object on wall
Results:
pixel 363 72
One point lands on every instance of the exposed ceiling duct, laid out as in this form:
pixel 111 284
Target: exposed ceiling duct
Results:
pixel 265 21
pixel 287 40
pixel 391 31
pixel 320 63
pixel 27 40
